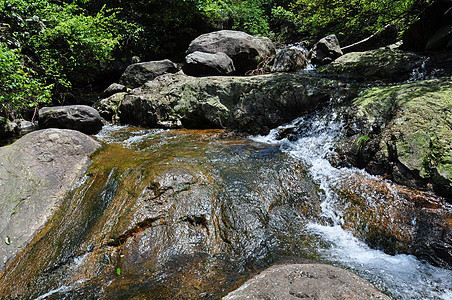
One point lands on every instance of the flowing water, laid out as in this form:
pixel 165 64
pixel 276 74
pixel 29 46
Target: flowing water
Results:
pixel 190 214
pixel 401 276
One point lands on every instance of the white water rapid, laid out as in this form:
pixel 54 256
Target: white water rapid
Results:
pixel 401 276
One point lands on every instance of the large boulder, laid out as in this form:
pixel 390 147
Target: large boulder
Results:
pixel 35 174
pixel 245 50
pixel 205 64
pixel 404 132
pixel 137 74
pixel 78 117
pixel 325 51
pixel 248 104
pixel 384 64
pixel 306 281
pixel 289 59
pixel 433 30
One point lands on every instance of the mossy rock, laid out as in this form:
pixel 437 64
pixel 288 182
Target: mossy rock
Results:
pixel 412 122
pixel 384 64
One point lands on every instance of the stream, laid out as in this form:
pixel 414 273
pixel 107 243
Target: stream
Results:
pixel 190 214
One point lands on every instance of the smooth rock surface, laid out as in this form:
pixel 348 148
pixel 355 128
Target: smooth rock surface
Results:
pixel 35 174
pixel 205 64
pixel 77 117
pixel 137 74
pixel 245 50
pixel 306 281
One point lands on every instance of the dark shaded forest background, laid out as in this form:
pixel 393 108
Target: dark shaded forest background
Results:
pixel 49 48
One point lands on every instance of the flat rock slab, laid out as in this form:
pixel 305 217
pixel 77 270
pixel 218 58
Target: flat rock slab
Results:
pixel 35 174
pixel 306 281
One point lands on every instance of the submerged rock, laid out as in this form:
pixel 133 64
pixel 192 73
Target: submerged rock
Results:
pixel 190 214
pixel 78 117
pixel 306 281
pixel 409 133
pixel 35 174
pixel 252 105
pixel 245 50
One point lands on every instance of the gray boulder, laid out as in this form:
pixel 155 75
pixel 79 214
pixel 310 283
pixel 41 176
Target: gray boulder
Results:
pixel 245 50
pixel 384 64
pixel 35 174
pixel 113 89
pixel 306 281
pixel 289 60
pixel 325 51
pixel 137 74
pixel 78 117
pixel 201 63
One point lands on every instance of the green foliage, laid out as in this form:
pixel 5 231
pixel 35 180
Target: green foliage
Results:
pixel 61 42
pixel 19 89
pixel 352 20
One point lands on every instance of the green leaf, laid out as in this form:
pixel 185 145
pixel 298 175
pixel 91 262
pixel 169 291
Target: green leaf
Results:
pixel 118 271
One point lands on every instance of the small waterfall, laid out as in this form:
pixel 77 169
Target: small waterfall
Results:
pixel 401 276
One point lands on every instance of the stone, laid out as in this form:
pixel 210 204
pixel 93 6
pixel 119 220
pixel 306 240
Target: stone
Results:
pixel 409 129
pixel 137 74
pixel 245 50
pixel 384 64
pixel 325 51
pixel 113 89
pixel 108 108
pixel 289 59
pixel 252 105
pixel 78 117
pixel 306 281
pixel 35 174
pixel 207 64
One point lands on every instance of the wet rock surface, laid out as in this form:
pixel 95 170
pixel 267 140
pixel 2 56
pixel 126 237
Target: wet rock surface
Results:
pixel 77 117
pixel 289 59
pixel 306 281
pixel 183 214
pixel 35 173
pixel 248 104
pixel 408 133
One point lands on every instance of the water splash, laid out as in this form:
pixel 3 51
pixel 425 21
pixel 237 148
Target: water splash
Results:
pixel 402 276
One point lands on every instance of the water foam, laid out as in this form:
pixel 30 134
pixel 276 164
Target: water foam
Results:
pixel 402 276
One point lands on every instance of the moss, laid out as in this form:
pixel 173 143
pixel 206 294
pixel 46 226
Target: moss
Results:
pixel 416 118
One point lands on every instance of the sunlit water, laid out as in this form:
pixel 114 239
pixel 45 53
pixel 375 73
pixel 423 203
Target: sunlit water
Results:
pixel 401 276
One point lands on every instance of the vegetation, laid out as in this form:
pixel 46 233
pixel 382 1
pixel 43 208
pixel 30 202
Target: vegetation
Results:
pixel 48 47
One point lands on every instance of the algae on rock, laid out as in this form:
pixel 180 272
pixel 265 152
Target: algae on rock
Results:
pixel 413 124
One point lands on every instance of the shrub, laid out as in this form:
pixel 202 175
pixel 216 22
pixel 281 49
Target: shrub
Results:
pixel 20 90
